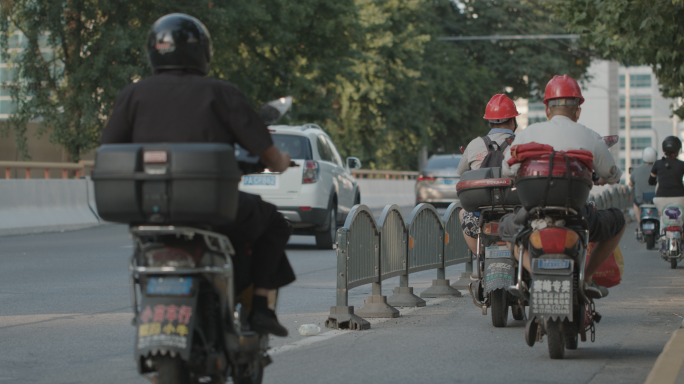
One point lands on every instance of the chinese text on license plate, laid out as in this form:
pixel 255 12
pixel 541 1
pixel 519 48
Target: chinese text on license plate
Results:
pixel 261 180
pixel 169 286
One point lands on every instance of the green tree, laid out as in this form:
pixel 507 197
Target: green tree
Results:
pixel 634 32
pixel 78 54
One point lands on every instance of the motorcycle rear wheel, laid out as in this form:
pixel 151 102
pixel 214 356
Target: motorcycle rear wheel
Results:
pixel 570 334
pixel 650 241
pixel 256 376
pixel 499 305
pixel 555 339
pixel 673 263
pixel 171 370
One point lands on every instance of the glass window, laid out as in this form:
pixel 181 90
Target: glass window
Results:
pixel 536 107
pixel 640 101
pixel 637 142
pixel 335 154
pixel 638 122
pixel 8 74
pixel 7 107
pixel 635 163
pixel 443 162
pixel 323 149
pixel 636 81
pixel 297 147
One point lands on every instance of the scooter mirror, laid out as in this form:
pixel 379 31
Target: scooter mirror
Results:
pixel 274 110
pixel 611 140
pixel 462 148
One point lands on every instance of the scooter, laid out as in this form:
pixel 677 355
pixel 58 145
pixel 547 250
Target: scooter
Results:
pixel 649 220
pixel 671 241
pixel 492 197
pixel 192 326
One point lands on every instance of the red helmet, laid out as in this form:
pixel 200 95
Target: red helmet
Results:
pixel 562 87
pixel 500 108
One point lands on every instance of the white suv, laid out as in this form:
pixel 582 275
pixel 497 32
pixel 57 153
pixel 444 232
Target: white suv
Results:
pixel 316 196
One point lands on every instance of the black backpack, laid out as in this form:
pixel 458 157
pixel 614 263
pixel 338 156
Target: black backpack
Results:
pixel 495 153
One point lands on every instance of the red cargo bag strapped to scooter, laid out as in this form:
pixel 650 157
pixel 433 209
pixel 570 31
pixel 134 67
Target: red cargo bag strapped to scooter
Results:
pixel 609 273
pixel 550 178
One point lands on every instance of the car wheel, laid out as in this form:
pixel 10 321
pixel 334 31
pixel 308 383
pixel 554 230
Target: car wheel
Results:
pixel 326 238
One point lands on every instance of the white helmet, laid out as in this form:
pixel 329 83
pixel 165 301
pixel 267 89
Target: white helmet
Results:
pixel 649 155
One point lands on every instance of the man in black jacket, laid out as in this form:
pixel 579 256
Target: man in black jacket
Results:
pixel 178 104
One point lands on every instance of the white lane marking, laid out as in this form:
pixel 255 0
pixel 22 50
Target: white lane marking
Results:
pixel 330 334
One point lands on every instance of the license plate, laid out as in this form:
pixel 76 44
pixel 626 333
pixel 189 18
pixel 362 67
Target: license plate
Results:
pixel 553 264
pixel 448 181
pixel 648 226
pixel 169 286
pixel 260 180
pixel 497 252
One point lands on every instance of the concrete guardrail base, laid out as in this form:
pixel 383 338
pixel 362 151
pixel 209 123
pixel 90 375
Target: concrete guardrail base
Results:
pixel 404 297
pixel 343 317
pixel 376 306
pixel 440 289
pixel 462 282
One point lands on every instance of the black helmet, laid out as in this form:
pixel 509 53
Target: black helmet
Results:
pixel 179 41
pixel 672 144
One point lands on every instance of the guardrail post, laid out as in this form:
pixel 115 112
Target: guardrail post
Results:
pixel 376 304
pixel 464 280
pixel 342 315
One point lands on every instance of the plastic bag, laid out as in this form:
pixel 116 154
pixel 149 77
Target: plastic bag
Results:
pixel 609 273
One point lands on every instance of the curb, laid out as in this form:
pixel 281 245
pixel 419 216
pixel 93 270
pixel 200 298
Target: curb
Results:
pixel 669 364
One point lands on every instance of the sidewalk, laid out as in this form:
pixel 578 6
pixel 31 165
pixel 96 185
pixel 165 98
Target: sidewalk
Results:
pixel 668 367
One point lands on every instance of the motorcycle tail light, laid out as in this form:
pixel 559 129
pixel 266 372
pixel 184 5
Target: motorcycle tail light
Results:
pixel 310 172
pixel 169 257
pixel 425 178
pixel 553 239
pixel 674 229
pixel 491 228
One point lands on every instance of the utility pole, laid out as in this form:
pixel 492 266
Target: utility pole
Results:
pixel 674 119
pixel 628 122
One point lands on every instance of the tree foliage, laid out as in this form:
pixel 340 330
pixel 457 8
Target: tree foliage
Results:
pixel 371 72
pixel 634 32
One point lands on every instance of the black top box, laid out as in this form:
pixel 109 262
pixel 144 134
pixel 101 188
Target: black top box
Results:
pixel 485 187
pixel 188 183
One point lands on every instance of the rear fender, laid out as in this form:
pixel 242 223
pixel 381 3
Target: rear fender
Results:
pixel 165 324
pixel 499 271
pixel 551 288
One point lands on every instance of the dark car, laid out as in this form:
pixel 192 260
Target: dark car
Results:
pixel 437 181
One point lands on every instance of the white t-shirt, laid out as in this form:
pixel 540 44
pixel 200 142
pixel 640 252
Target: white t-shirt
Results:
pixel 564 134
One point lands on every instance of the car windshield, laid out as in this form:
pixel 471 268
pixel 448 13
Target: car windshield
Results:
pixel 442 162
pixel 296 146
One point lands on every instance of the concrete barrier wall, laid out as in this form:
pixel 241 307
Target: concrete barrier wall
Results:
pixel 376 193
pixel 34 206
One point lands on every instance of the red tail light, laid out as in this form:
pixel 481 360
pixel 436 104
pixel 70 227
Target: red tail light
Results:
pixel 425 178
pixel 674 229
pixel 310 172
pixel 491 228
pixel 553 239
pixel 154 157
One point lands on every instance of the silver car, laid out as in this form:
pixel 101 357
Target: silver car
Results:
pixel 437 181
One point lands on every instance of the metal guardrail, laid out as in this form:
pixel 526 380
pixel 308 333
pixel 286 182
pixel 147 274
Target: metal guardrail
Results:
pixel 380 174
pixel 370 252
pixel 78 168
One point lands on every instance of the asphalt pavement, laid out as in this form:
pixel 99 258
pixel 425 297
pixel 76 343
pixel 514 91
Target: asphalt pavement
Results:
pixel 65 318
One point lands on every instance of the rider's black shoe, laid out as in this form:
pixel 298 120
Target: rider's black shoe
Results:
pixel 593 291
pixel 266 322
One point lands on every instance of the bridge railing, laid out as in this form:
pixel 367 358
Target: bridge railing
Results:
pixel 79 169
